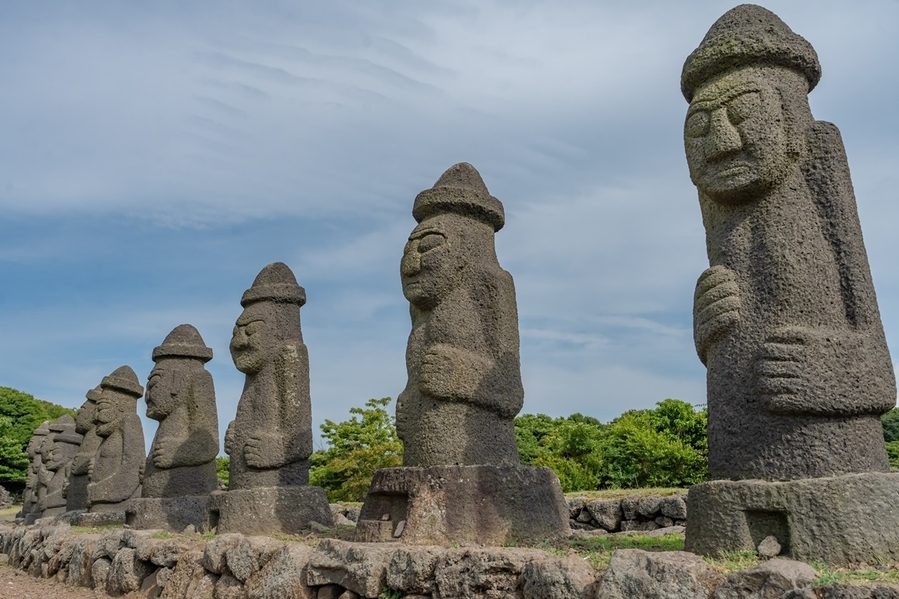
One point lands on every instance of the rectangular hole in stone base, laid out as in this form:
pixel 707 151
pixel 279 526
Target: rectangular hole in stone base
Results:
pixel 763 524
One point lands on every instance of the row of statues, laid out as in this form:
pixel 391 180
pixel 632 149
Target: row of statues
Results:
pixel 785 320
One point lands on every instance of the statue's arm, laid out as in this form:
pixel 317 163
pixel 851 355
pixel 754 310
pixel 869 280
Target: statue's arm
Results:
pixel 198 441
pixel 122 482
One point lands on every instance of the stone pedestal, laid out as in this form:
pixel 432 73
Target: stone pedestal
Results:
pixel 169 513
pixel 269 510
pixel 100 518
pixel 445 505
pixel 839 520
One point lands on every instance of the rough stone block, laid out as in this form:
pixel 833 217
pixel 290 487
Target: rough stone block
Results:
pixel 169 513
pixel 270 510
pixel 100 572
pixel 674 507
pixel 251 554
pixel 768 580
pixel 284 576
pixel 658 575
pixel 606 512
pixel 411 569
pixel 481 572
pixel 126 573
pixel 442 505
pixel 559 578
pixel 840 520
pixel 214 558
pixel 359 567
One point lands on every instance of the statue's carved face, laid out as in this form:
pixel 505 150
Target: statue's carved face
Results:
pixel 431 262
pixel 735 137
pixel 250 339
pixel 109 407
pixel 55 458
pixel 162 390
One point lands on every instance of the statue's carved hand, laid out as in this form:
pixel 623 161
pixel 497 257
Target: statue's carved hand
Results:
pixel 716 307
pixel 90 468
pixel 440 367
pixel 821 372
pixel 164 452
pixel 264 450
pixel 230 449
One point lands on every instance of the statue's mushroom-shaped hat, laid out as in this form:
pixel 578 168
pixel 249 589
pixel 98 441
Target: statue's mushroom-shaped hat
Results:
pixel 93 394
pixel 460 190
pixel 744 35
pixel 275 283
pixel 183 342
pixel 64 427
pixel 123 379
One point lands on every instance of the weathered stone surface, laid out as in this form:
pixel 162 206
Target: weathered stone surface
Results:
pixel 785 318
pixel 480 573
pixel 559 578
pixel 109 543
pixel 214 558
pixel 283 577
pixel 442 505
pixel 359 567
pixel 411 569
pixel 606 512
pixel 575 505
pixel 100 572
pixel 188 568
pixel 268 510
pixel 663 575
pixel 674 507
pixel 649 506
pixel 250 554
pixel 99 519
pixel 270 439
pixel 181 396
pixel 848 519
pixel 34 485
pixel 85 425
pixel 769 547
pixel 629 507
pixel 329 591
pixel 169 513
pixel 115 473
pixel 202 586
pixel 80 563
pixel 769 580
pixel 464 386
pixel 126 573
pixel 228 587
pixel 161 552
pixel 844 590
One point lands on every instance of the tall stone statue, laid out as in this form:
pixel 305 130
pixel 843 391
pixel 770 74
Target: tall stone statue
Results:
pixel 785 317
pixel 76 498
pixel 461 480
pixel 117 469
pixel 63 445
pixel 464 387
pixel 270 439
pixel 180 470
pixel 30 510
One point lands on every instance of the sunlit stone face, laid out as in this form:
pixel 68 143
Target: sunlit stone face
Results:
pixel 430 265
pixel 248 342
pixel 162 391
pixel 735 137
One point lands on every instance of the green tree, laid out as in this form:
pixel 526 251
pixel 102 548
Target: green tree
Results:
pixel 355 449
pixel 20 415
pixel 890 422
pixel 223 469
pixel 569 446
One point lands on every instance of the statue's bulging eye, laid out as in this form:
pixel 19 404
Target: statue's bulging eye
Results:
pixel 743 107
pixel 430 241
pixel 697 124
pixel 252 328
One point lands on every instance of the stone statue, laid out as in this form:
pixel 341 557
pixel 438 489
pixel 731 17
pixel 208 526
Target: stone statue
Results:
pixel 63 443
pixel 33 476
pixel 270 439
pixel 461 480
pixel 117 469
pixel 464 387
pixel 181 396
pixel 785 317
pixel 76 498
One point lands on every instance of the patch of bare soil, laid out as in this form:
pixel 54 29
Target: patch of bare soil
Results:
pixel 15 584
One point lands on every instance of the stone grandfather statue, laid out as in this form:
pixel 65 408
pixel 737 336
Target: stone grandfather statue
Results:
pixel 785 317
pixel 461 480
pixel 64 443
pixel 464 387
pixel 181 396
pixel 117 468
pixel 76 498
pixel 270 439
pixel 33 483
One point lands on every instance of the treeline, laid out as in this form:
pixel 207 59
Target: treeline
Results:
pixel 20 415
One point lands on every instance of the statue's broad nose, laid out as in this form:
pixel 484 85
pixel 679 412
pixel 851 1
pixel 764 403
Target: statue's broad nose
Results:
pixel 723 138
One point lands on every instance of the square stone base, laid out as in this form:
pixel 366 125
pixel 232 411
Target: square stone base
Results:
pixel 269 510
pixel 481 505
pixel 169 513
pixel 839 520
pixel 95 519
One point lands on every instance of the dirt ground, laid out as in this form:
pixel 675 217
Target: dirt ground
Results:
pixel 15 584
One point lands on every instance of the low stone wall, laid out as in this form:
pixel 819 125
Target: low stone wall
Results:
pixel 232 566
pixel 632 513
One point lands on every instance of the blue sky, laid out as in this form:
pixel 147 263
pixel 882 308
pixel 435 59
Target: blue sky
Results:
pixel 155 156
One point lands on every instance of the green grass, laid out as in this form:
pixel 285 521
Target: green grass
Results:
pixel 95 529
pixel 598 550
pixel 620 493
